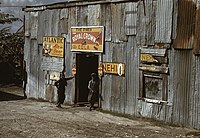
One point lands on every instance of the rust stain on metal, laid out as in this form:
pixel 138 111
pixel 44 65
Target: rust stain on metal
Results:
pixel 185 24
pixel 196 48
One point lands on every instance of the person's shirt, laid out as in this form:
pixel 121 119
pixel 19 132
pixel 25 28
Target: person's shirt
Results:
pixel 62 82
pixel 93 85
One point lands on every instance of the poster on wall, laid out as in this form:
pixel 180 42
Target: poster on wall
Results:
pixel 87 38
pixel 53 46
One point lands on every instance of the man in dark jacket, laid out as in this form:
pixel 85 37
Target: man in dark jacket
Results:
pixel 60 84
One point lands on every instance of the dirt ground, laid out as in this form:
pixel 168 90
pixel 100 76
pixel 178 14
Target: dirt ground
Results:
pixel 25 118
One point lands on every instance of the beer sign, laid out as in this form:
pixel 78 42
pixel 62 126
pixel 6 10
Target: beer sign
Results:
pixel 53 46
pixel 87 39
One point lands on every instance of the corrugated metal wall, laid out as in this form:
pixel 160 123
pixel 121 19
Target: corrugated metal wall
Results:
pixel 186 24
pixel 196 48
pixel 129 26
pixel 182 86
pixel 164 21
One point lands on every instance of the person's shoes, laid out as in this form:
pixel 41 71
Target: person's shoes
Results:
pixel 90 108
pixel 59 106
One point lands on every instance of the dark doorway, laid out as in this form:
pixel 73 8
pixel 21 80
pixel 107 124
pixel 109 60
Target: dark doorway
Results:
pixel 85 65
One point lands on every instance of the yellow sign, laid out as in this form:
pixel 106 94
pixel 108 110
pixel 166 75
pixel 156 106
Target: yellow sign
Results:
pixel 53 46
pixel 100 69
pixel 114 68
pixel 87 39
pixel 148 58
pixel 74 69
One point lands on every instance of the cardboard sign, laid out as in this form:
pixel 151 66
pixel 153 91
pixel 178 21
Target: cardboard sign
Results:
pixel 53 46
pixel 87 39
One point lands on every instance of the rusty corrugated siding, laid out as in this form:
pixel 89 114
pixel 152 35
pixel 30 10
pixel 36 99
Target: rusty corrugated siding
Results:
pixel 196 48
pixel 185 24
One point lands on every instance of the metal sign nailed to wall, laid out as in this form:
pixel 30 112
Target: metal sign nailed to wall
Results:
pixel 53 46
pixel 114 68
pixel 87 38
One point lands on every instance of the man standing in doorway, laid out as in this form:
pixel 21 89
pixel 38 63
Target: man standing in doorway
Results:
pixel 93 87
pixel 60 84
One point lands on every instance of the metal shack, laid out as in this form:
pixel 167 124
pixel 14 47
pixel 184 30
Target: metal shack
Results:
pixel 146 53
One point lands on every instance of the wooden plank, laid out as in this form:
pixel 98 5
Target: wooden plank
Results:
pixel 153 68
pixel 154 51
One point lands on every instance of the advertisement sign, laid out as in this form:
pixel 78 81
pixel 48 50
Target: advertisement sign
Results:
pixel 147 58
pixel 53 46
pixel 87 39
pixel 114 68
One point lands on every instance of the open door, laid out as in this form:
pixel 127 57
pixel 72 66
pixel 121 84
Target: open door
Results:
pixel 85 65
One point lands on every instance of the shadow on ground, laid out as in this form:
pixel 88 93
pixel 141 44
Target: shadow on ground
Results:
pixel 10 97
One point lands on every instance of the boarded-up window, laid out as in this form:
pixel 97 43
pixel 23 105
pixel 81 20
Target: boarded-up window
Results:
pixel 153 74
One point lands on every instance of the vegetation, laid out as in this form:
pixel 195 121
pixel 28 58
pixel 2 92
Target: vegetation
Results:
pixel 11 49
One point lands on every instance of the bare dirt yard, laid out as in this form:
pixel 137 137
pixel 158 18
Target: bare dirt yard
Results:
pixel 26 118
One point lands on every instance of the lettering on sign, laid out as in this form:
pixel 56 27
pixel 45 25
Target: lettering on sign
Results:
pixel 87 39
pixel 113 68
pixel 53 46
pixel 148 58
